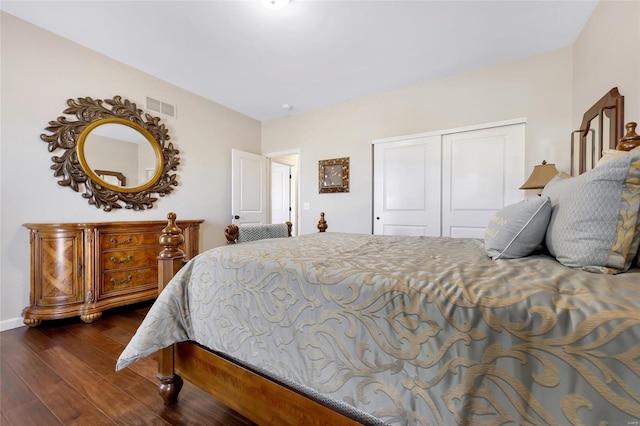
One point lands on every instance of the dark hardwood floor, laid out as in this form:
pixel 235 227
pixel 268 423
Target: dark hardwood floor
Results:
pixel 62 372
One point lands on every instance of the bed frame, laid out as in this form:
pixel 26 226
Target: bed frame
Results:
pixel 251 394
pixel 256 397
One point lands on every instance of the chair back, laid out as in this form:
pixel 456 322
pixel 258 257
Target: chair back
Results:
pixel 242 234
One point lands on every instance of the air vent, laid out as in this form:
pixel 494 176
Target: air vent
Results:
pixel 161 107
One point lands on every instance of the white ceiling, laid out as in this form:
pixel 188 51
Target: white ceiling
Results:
pixel 311 53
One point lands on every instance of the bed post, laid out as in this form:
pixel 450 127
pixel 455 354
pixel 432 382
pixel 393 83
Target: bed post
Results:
pixel 231 233
pixel 170 260
pixel 322 224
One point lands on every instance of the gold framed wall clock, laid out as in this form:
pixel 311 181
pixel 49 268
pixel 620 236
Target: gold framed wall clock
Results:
pixel 333 175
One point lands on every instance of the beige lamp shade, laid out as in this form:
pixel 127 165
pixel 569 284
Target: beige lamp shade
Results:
pixel 540 176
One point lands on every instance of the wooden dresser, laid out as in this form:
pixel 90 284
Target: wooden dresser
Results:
pixel 84 268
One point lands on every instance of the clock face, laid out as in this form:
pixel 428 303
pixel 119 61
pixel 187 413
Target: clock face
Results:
pixel 332 175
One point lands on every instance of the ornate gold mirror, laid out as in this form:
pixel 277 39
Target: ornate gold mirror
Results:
pixel 121 155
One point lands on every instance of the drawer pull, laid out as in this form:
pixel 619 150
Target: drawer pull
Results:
pixel 124 281
pixel 120 261
pixel 115 241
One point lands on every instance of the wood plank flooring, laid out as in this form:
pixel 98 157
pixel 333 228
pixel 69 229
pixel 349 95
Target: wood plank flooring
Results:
pixel 63 373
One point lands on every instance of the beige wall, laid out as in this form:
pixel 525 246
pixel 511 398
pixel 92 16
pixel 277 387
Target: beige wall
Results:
pixel 607 54
pixel 537 88
pixel 40 71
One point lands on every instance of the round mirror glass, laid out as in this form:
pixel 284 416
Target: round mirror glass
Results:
pixel 120 155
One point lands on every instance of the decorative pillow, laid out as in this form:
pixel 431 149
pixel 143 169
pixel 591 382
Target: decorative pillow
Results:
pixel 594 220
pixel 610 154
pixel 557 188
pixel 518 229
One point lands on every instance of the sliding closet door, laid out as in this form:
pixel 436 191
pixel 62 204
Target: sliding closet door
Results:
pixel 406 183
pixel 481 173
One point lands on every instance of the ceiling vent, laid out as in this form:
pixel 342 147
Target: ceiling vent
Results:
pixel 161 107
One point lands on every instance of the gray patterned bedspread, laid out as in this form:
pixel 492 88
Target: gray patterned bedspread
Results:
pixel 414 330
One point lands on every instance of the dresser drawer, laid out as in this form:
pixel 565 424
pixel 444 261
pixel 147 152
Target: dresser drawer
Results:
pixel 116 281
pixel 119 259
pixel 128 240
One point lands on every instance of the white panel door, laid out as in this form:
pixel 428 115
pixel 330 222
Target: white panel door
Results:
pixel 481 173
pixel 280 192
pixel 248 188
pixel 406 183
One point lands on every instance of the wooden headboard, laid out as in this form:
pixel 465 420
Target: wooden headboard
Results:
pixel 601 128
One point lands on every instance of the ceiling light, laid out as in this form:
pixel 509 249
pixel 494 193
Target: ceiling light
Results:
pixel 275 4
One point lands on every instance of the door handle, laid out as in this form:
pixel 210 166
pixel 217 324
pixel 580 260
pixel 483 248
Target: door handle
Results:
pixel 236 217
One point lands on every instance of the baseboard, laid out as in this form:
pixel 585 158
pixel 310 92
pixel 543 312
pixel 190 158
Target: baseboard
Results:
pixel 11 323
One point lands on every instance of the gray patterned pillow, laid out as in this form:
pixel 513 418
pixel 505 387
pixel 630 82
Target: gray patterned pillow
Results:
pixel 594 221
pixel 518 229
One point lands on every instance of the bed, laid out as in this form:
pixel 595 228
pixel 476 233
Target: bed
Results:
pixel 338 329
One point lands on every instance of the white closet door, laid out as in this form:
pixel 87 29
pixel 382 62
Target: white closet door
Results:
pixel 407 187
pixel 482 170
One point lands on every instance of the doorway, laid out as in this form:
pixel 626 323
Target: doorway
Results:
pixel 264 188
pixel 283 192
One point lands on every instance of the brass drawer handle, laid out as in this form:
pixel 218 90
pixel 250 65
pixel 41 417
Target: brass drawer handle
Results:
pixel 120 261
pixel 115 241
pixel 124 281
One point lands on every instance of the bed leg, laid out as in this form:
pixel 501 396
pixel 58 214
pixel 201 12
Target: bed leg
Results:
pixel 169 388
pixel 170 260
pixel 170 383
